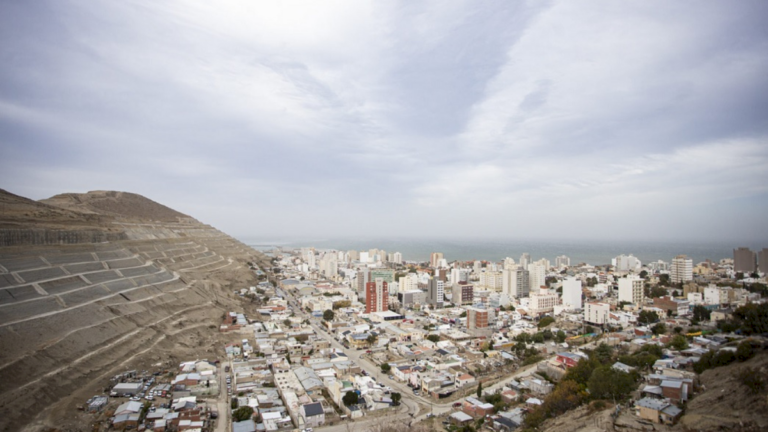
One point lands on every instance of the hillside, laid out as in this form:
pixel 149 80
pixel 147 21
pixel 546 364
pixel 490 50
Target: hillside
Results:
pixel 723 404
pixel 107 282
pixel 118 204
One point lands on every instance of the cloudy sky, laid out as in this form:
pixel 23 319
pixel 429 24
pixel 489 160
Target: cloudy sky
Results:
pixel 600 119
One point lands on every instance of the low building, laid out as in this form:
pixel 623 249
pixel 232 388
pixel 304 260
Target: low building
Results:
pixel 658 411
pixel 313 414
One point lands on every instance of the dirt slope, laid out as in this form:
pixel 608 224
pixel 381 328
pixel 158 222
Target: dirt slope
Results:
pixel 72 315
pixel 118 204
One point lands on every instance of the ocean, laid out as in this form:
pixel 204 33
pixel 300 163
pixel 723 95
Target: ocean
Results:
pixel 587 251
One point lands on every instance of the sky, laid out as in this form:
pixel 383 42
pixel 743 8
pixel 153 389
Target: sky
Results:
pixel 489 119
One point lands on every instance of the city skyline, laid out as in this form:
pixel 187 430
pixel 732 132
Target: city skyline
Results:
pixel 544 121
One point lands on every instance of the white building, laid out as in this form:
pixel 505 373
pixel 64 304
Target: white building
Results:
pixel 572 293
pixel 596 313
pixel 681 269
pixel 491 280
pixel 409 282
pixel 562 261
pixel 627 263
pixel 515 283
pixel 397 257
pixel 542 301
pixel 536 275
pixel 631 290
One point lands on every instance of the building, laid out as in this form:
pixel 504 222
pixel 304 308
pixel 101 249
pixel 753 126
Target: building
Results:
pixel 631 290
pixel 596 313
pixel 626 263
pixel 572 293
pixel 397 258
pixel 536 276
pixel 363 277
pixel 477 318
pixel 491 280
pixel 434 259
pixel 681 269
pixel 436 292
pixel 385 274
pixel 412 297
pixel 462 294
pixel 409 282
pixel 525 259
pixel 543 301
pixel 762 261
pixel 744 260
pixel 313 414
pixel 562 261
pixel 668 303
pixel 515 283
pixel 376 296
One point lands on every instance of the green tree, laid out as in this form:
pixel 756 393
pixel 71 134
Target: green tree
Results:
pixel 350 398
pixel 243 413
pixel 433 338
pixel 463 314
pixel 547 320
pixel 385 367
pixel 603 353
pixel 647 317
pixel 753 318
pixel 609 383
pixel 479 389
pixel 664 279
pixel 643 274
pixel 560 336
pixel 679 342
pixel 581 373
pixel 700 313
pixel 371 339
pixel 745 351
pixel 328 315
pixel 678 330
pixel 396 397
pixel 659 329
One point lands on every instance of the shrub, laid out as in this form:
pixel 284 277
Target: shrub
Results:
pixel 751 379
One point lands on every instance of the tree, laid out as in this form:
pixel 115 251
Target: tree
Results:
pixel 433 338
pixel 659 329
pixel 647 317
pixel 643 274
pixel 560 336
pixel 547 320
pixel 589 329
pixel 664 279
pixel 371 339
pixel 242 414
pixel 609 383
pixel 679 342
pixel 700 313
pixel 581 373
pixel 328 315
pixel 463 314
pixel 604 353
pixel 753 318
pixel 745 351
pixel 351 398
pixel 396 397
pixel 479 389
pixel 385 367
pixel 678 329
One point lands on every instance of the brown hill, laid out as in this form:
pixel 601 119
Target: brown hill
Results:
pixel 19 212
pixel 117 204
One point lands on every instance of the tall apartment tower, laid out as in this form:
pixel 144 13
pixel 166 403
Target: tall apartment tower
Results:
pixel 515 283
pixel 363 277
pixel 572 292
pixel 477 318
pixel 562 261
pixel 436 292
pixel 376 296
pixel 631 290
pixel 744 260
pixel 681 269
pixel 397 257
pixel 525 259
pixel 762 260
pixel 434 259
pixel 537 276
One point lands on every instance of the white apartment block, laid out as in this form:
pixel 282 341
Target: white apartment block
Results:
pixel 681 269
pixel 627 263
pixel 562 261
pixel 542 301
pixel 631 290
pixel 491 280
pixel 572 293
pixel 536 276
pixel 409 282
pixel 515 283
pixel 596 313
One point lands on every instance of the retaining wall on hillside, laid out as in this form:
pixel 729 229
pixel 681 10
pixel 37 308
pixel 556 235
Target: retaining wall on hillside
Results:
pixel 15 237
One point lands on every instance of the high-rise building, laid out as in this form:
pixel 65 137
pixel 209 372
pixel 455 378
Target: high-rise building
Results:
pixel 436 292
pixel 491 280
pixel 509 263
pixel 363 277
pixel 329 265
pixel 631 290
pixel 409 282
pixel 562 261
pixel 744 260
pixel 477 318
pixel 525 259
pixel 434 259
pixel 572 292
pixel 762 261
pixel 353 256
pixel 397 257
pixel 376 296
pixel 515 283
pixel 681 269
pixel 386 274
pixel 536 275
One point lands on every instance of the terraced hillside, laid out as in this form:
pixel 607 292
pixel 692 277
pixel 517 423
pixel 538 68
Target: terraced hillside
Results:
pixel 72 315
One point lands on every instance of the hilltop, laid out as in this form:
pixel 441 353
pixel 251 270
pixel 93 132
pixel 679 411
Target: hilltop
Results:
pixel 92 284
